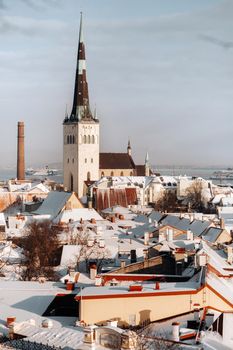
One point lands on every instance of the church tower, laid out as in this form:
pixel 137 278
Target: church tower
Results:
pixel 80 132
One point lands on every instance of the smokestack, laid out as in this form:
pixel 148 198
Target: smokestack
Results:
pixel 20 152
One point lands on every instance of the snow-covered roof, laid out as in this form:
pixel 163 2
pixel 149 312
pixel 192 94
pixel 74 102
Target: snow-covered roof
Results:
pixel 147 288
pixel 155 216
pixel 225 210
pixel 2 220
pixel 78 214
pixel 59 337
pixel 227 201
pixel 53 204
pixel 11 254
pixel 175 221
pixel 27 300
pixel 39 187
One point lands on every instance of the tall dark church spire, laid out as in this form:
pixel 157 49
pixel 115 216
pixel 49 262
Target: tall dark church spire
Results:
pixel 81 108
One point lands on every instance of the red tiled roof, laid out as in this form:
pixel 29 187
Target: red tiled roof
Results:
pixel 116 161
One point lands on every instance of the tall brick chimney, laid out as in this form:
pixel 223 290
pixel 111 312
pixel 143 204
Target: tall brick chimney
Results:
pixel 20 153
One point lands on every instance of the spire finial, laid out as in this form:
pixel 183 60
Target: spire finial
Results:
pixel 81 28
pixel 147 159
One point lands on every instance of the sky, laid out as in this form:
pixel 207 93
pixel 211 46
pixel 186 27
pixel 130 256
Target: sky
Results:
pixel 160 72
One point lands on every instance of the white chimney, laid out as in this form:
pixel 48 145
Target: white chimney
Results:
pixel 122 264
pixel 202 259
pixel 146 238
pixel 145 254
pixel 112 323
pixel 169 234
pixel 189 235
pixel 176 331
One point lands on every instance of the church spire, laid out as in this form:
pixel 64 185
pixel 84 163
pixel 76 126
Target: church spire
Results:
pixel 81 107
pixel 147 165
pixel 129 149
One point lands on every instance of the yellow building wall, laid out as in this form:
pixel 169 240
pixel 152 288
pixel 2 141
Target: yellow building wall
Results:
pixel 224 237
pixel 116 172
pixel 144 308
pixel 73 202
pixel 176 232
pixel 151 308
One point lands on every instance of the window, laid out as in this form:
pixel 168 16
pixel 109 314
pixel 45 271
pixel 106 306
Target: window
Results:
pixel 68 160
pixel 68 139
pixel 85 160
pixel 84 139
pixel 73 160
pixel 102 173
pixel 91 160
pixel 122 173
pixel 73 139
pixel 93 139
pixel 112 173
pixel 88 176
pixel 89 139
pixel 71 182
pixel 131 173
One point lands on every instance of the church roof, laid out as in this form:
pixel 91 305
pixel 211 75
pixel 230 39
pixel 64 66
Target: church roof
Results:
pixel 116 161
pixel 141 170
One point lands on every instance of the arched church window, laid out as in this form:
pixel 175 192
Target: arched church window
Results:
pixel 102 173
pixel 68 160
pixel 73 139
pixel 71 183
pixel 91 160
pixel 112 173
pixel 88 176
pixel 85 160
pixel 89 139
pixel 131 173
pixel 122 173
pixel 93 139
pixel 68 139
pixel 84 139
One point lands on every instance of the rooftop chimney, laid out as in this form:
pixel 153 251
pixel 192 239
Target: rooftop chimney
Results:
pixel 20 152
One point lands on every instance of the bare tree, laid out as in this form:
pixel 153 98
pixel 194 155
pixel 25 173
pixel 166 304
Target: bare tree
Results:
pixel 167 202
pixel 147 339
pixel 194 195
pixel 90 247
pixel 40 244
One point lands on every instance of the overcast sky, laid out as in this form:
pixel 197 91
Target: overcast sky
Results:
pixel 160 72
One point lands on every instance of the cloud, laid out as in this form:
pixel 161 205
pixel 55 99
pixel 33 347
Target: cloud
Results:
pixel 29 26
pixel 216 41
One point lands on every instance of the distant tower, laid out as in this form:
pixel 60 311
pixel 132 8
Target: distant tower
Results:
pixel 147 165
pixel 129 149
pixel 20 152
pixel 80 132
